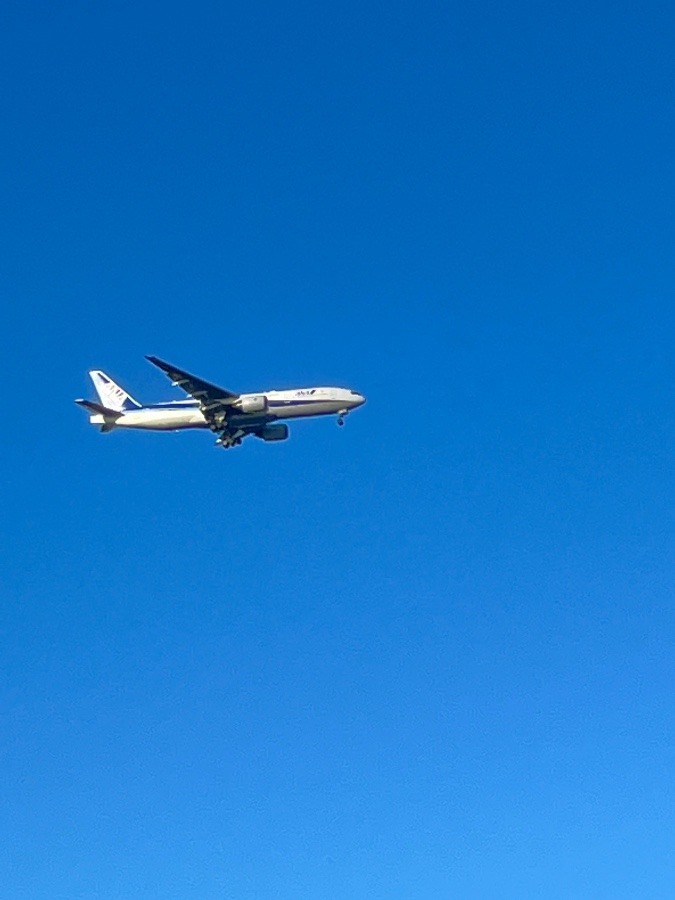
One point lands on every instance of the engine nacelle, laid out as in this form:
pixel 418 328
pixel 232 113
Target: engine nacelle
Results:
pixel 253 404
pixel 277 432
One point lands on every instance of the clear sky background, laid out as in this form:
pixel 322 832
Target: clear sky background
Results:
pixel 426 655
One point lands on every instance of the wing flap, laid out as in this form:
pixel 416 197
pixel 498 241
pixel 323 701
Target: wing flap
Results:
pixel 213 401
pixel 206 393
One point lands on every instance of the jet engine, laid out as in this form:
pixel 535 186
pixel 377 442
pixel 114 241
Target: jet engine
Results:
pixel 253 404
pixel 277 432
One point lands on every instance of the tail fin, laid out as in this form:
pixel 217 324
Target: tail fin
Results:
pixel 112 396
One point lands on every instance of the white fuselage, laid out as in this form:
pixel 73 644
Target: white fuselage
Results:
pixel 293 404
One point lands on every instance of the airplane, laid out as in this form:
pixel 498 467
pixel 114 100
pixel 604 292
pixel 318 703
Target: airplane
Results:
pixel 230 416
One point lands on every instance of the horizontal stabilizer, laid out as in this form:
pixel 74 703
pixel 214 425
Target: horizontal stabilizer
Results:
pixel 99 409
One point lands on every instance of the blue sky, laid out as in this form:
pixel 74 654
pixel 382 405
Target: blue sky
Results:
pixel 426 655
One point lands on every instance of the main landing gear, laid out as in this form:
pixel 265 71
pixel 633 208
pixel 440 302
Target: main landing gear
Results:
pixel 228 439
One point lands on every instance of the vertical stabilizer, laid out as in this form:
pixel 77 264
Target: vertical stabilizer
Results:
pixel 110 394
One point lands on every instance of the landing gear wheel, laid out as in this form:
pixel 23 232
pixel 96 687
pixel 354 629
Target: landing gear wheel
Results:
pixel 341 421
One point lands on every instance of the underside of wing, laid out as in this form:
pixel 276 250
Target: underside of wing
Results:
pixel 214 401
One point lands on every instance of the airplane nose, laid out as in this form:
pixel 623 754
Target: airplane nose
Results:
pixel 359 399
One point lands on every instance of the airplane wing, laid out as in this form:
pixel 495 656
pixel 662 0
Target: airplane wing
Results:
pixel 212 399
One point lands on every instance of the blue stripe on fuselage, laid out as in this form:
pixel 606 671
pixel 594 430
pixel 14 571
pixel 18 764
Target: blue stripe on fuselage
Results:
pixel 182 404
pixel 177 404
pixel 305 401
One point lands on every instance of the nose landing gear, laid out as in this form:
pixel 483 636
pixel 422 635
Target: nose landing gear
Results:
pixel 341 417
